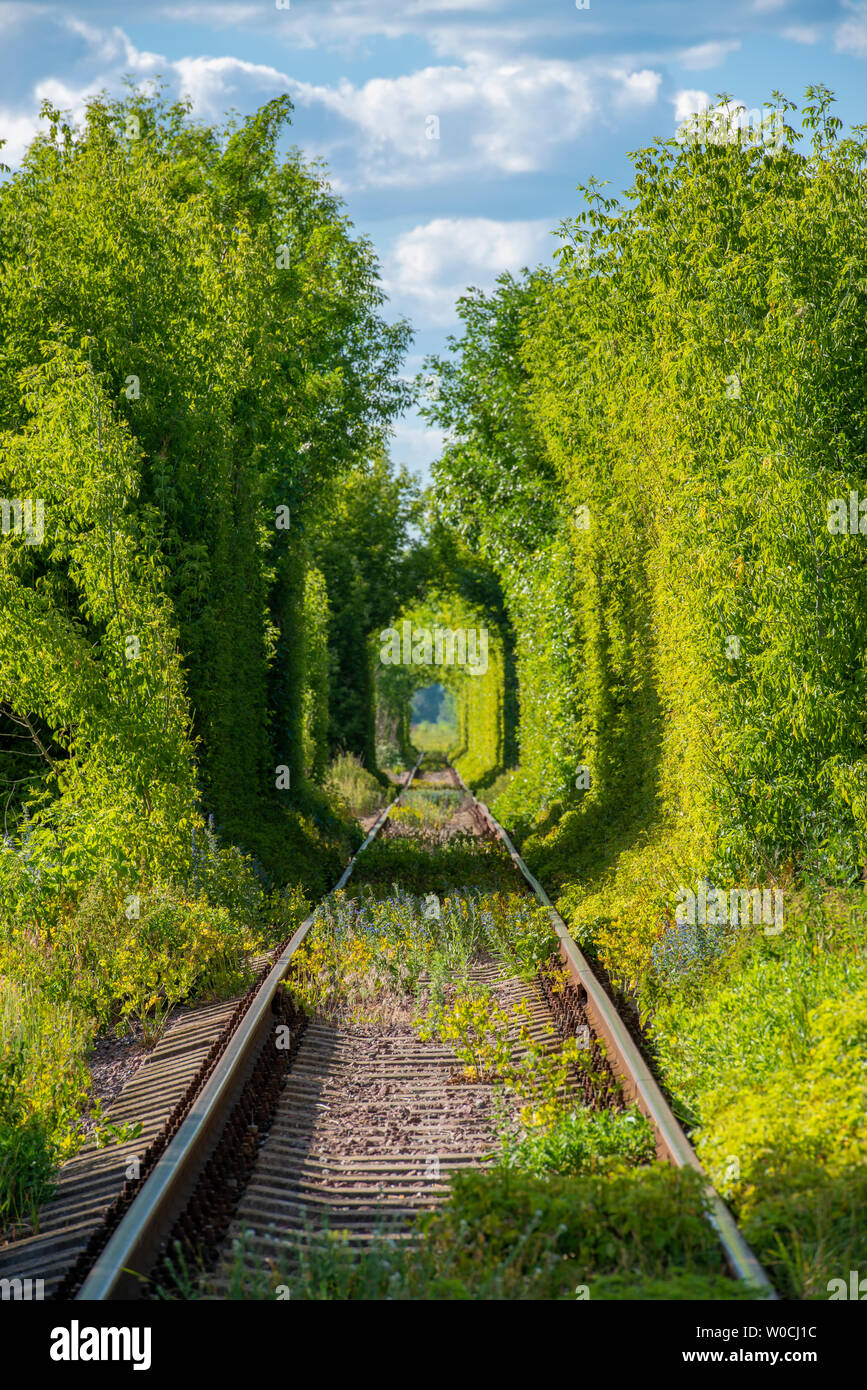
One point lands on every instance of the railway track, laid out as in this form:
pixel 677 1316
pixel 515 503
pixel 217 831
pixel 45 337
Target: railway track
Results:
pixel 367 1131
pixel 281 1126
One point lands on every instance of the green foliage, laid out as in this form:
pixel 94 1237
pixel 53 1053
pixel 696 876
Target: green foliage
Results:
pixel 765 1053
pixel 646 445
pixel 120 958
pixel 115 784
pixel 504 1236
pixel 191 344
pixel 316 675
pixel 496 1045
pixel 350 786
pixel 360 543
pixel 440 737
pixel 44 1085
pixel 476 1028
pixel 809 1227
pixel 609 382
pixel 584 1141
pixel 420 866
pixel 645 1222
pixel 424 809
pixel 474 676
pixel 497 488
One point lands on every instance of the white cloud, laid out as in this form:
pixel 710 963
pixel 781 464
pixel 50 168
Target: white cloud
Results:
pixel 209 81
pixel 851 35
pixel 687 102
pixel 112 46
pixel 707 55
pixel 496 116
pixel 427 268
pixel 762 6
pixel 493 118
pixel 639 88
pixel 17 131
pixel 801 33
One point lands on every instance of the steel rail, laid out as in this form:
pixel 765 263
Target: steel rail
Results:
pixel 117 1271
pixel 623 1053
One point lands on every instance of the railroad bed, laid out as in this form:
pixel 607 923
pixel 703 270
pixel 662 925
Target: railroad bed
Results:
pixel 368 1128
pixel 251 1151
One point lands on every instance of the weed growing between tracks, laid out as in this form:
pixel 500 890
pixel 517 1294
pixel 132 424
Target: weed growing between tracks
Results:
pixel 420 810
pixel 360 949
pixel 583 1141
pixel 506 1235
pixel 426 865
pixel 573 1198
pixel 363 956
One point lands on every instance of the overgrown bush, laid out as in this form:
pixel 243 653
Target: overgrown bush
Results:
pixel 351 787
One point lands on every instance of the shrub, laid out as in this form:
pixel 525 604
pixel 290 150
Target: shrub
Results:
pixel 584 1141
pixel 351 787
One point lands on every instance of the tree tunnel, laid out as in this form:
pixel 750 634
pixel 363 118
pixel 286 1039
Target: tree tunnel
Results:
pixel 440 684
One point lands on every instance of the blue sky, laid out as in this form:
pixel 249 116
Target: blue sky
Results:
pixel 530 97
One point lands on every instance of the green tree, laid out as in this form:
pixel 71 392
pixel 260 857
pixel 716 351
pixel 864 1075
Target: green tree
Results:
pixel 362 546
pixel 216 293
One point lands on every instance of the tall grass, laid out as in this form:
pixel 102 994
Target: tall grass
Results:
pixel 434 738
pixel 351 787
pixel 44 1087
